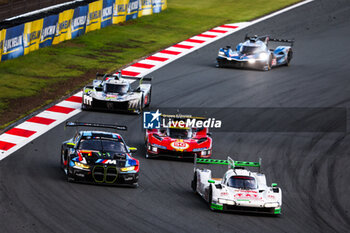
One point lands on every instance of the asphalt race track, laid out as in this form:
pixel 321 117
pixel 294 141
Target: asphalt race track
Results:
pixel 311 168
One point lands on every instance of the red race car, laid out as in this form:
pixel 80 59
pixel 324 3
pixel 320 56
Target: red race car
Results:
pixel 178 142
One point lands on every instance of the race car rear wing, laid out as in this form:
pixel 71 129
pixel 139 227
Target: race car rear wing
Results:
pixel 232 164
pixel 282 40
pixel 98 125
pixel 239 164
pixel 118 75
pixel 266 39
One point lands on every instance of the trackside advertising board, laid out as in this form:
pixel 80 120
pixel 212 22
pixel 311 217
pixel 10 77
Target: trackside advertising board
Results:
pixel 78 25
pixel 48 31
pixel 54 29
pixel 13 43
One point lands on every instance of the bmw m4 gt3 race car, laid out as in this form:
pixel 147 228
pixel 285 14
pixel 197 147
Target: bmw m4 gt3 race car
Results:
pixel 117 93
pixel 99 157
pixel 238 190
pixel 255 53
pixel 178 142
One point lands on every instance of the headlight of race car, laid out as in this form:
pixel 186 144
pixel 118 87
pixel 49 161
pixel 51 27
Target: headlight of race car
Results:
pixel 125 169
pixel 271 205
pixel 81 165
pixel 263 56
pixel 153 149
pixel 221 53
pixel 133 103
pixel 227 202
pixel 205 152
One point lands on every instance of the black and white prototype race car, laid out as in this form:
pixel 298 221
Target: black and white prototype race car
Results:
pixel 238 190
pixel 256 53
pixel 117 93
pixel 99 157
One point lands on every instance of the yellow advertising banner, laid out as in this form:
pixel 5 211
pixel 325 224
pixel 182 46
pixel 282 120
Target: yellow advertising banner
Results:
pixel 164 4
pixel 32 35
pixel 63 27
pixel 145 7
pixel 94 16
pixel 2 39
pixel 120 11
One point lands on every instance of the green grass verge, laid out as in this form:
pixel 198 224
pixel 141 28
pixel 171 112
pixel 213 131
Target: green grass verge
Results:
pixel 110 48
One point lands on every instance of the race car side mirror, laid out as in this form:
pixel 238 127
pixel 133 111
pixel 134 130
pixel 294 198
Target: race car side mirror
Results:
pixel 132 149
pixel 70 145
pixel 211 181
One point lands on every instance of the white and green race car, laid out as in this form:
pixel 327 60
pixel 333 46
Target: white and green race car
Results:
pixel 238 190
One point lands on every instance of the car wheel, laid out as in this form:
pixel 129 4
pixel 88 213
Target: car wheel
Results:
pixel 289 57
pixel 62 154
pixel 70 177
pixel 218 64
pixel 83 106
pixel 194 183
pixel 149 98
pixel 268 65
pixel 63 158
pixel 210 198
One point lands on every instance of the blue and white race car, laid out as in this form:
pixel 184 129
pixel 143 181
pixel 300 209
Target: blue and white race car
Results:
pixel 255 53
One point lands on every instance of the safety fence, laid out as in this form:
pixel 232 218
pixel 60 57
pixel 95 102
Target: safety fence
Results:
pixel 18 38
pixel 11 8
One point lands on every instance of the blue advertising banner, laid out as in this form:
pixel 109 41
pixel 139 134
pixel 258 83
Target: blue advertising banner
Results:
pixel 49 30
pixel 132 10
pixel 13 43
pixel 107 13
pixel 79 21
pixel 22 39
pixel 157 6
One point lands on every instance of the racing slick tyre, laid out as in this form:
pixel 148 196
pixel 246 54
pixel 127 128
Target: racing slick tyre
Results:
pixel 148 98
pixel 268 65
pixel 210 198
pixel 194 183
pixel 219 64
pixel 84 107
pixel 289 57
pixel 62 154
pixel 70 177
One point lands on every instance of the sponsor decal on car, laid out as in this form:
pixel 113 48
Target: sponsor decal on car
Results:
pixel 179 145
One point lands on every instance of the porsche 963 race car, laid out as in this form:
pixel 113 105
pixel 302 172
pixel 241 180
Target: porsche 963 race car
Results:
pixel 238 190
pixel 255 53
pixel 117 93
pixel 99 157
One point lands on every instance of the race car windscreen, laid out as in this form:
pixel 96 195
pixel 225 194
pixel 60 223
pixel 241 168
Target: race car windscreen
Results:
pixel 102 145
pixel 242 182
pixel 179 133
pixel 117 88
pixel 250 49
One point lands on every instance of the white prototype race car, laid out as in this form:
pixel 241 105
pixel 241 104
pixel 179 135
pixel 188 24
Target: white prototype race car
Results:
pixel 238 190
pixel 117 93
